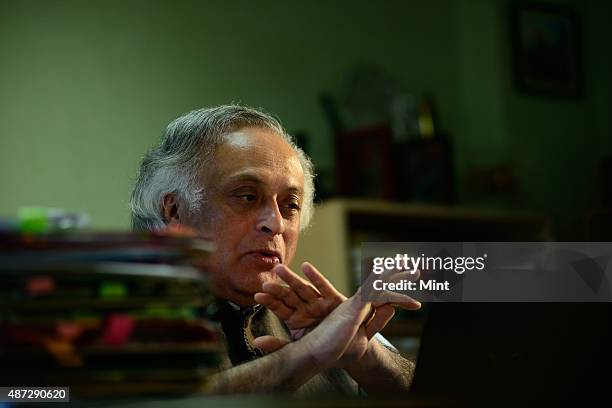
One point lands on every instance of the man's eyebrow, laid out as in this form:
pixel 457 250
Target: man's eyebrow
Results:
pixel 295 190
pixel 254 178
pixel 245 177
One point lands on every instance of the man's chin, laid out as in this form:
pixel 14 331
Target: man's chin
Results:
pixel 242 291
pixel 268 276
pixel 255 282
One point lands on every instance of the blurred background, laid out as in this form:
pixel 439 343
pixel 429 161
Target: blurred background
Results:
pixel 456 120
pixel 88 87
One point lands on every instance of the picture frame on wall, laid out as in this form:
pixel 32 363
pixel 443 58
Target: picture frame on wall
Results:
pixel 547 49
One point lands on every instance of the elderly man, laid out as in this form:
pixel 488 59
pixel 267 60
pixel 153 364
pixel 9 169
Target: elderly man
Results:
pixel 235 176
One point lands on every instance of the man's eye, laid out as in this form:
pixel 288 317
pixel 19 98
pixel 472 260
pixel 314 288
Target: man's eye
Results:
pixel 249 198
pixel 293 206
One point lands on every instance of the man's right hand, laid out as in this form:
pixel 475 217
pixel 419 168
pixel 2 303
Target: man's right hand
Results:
pixel 332 340
pixel 304 306
pixel 327 343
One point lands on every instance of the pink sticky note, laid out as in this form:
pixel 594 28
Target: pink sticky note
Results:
pixel 118 329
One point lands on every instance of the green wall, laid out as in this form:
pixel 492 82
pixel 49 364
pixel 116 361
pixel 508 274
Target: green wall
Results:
pixel 554 144
pixel 87 87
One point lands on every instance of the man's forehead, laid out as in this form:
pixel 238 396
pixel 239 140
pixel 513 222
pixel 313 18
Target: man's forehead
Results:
pixel 256 155
pixel 248 138
pixel 241 138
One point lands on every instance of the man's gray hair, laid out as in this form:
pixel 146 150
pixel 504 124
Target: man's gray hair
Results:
pixel 188 144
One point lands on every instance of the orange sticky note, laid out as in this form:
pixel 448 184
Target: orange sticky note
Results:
pixel 69 331
pixel 40 285
pixel 64 353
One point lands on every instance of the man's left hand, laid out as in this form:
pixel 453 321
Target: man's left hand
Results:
pixel 302 305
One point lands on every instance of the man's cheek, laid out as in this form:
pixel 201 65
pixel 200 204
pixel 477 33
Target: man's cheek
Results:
pixel 290 249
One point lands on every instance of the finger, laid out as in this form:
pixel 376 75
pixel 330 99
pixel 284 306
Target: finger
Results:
pixel 383 315
pixel 283 293
pixel 380 297
pixel 299 333
pixel 274 305
pixel 411 276
pixel 389 275
pixel 393 298
pixel 269 344
pixel 320 282
pixel 301 287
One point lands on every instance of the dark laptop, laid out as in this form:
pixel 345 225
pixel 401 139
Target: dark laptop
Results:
pixel 549 351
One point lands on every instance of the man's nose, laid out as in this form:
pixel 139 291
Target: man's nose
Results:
pixel 271 220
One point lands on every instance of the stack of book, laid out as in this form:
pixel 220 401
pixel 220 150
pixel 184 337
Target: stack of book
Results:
pixel 106 313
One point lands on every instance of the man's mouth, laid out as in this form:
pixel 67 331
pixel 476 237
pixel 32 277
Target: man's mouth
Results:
pixel 266 257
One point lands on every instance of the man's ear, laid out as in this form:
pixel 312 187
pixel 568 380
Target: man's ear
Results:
pixel 170 209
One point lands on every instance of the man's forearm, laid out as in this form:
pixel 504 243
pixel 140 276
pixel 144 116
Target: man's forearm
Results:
pixel 284 370
pixel 382 370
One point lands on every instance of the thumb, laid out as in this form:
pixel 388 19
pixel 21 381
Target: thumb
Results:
pixel 269 344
